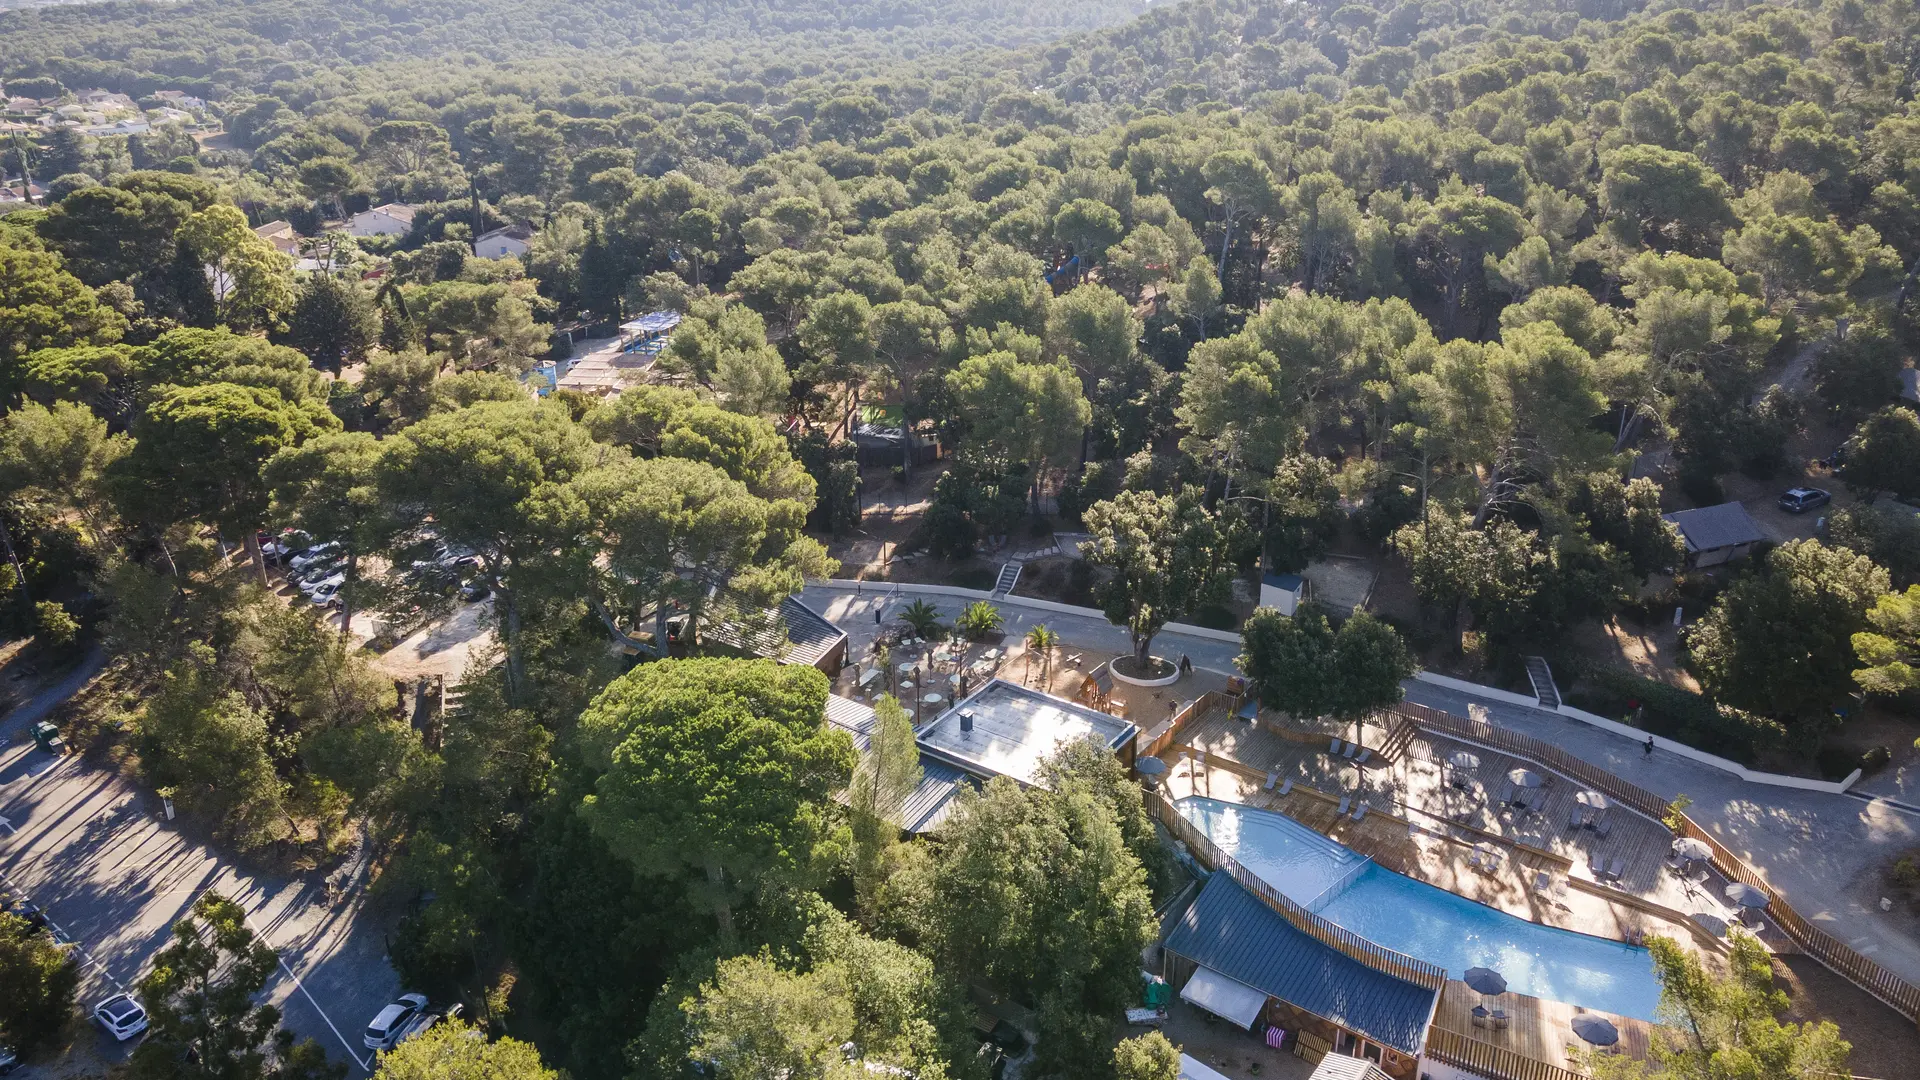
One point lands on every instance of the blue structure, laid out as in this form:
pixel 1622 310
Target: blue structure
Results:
pixel 1232 933
pixel 647 335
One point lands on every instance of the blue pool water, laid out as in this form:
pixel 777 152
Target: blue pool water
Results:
pixel 1426 922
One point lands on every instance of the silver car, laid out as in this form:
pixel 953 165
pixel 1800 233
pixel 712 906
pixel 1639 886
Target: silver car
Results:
pixel 393 1021
pixel 121 1016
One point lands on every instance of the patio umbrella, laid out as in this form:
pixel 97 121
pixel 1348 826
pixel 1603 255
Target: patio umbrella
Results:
pixel 1525 778
pixel 1597 1030
pixel 1712 924
pixel 1746 895
pixel 1461 759
pixel 1592 799
pixel 932 699
pixel 1150 766
pixel 1485 981
pixel 1688 847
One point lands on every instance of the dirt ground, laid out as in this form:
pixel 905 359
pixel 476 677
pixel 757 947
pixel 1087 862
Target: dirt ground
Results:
pixel 1885 1045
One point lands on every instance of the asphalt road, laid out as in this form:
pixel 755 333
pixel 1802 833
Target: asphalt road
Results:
pixel 95 854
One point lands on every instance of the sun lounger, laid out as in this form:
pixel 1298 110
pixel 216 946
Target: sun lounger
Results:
pixel 1287 788
pixel 1352 749
pixel 1360 814
pixel 1619 867
pixel 1573 818
pixel 1272 779
pixel 1473 860
pixel 1506 793
pixel 1334 746
pixel 1597 866
pixel 1493 860
pixel 1365 753
pixel 1345 802
pixel 1604 827
pixel 1542 884
pixel 1499 1018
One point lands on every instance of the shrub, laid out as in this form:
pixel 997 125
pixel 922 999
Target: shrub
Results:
pixel 1676 713
pixel 1835 762
pixel 979 620
pixel 58 629
pixel 1876 759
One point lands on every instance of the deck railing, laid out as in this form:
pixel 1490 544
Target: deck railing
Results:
pixel 1899 994
pixel 1353 946
pixel 1164 734
pixel 1488 1060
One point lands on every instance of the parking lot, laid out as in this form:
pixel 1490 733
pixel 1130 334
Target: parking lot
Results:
pixel 97 857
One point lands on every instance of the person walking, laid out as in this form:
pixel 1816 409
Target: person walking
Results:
pixel 1648 748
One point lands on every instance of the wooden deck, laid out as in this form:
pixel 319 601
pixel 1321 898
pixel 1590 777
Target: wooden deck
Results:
pixel 1537 1029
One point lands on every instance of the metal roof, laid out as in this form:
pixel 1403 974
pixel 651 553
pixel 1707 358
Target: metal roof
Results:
pixel 1286 582
pixel 1712 527
pixel 1236 934
pixel 929 803
pixel 799 635
pixel 1341 1067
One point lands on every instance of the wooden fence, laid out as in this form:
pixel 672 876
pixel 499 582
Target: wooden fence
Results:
pixel 1156 741
pixel 1902 996
pixel 1377 957
pixel 1471 1054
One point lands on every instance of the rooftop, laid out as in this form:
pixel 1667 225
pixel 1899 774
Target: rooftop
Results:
pixel 799 635
pixel 932 800
pixel 1711 527
pixel 1233 932
pixel 1014 728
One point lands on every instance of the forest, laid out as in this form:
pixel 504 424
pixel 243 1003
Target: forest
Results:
pixel 1489 285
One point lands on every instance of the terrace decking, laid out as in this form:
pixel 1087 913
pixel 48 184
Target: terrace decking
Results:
pixel 1536 1029
pixel 1415 789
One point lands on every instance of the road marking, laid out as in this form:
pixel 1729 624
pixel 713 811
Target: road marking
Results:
pixel 65 938
pixel 247 917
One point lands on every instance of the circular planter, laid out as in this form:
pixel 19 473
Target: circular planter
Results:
pixel 1168 679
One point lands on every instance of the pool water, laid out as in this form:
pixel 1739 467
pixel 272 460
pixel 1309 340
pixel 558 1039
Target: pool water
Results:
pixel 1426 922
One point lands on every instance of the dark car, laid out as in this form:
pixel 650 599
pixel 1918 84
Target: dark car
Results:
pixel 1801 499
pixel 477 589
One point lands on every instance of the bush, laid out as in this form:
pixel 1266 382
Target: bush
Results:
pixel 1676 713
pixel 1699 483
pixel 1214 617
pixel 58 629
pixel 978 621
pixel 1876 759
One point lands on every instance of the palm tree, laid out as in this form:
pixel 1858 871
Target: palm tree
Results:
pixel 1043 640
pixel 923 617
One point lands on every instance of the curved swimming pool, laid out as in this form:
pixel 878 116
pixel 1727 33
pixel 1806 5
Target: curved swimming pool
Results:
pixel 1426 922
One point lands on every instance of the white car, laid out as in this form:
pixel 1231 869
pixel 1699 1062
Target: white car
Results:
pixel 121 1016
pixel 392 1023
pixel 329 583
pixel 324 595
pixel 312 555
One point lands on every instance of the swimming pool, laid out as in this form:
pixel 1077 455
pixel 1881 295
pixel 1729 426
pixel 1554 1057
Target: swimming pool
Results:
pixel 1426 922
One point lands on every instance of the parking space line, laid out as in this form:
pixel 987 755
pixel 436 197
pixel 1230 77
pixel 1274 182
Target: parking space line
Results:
pixel 65 938
pixel 247 917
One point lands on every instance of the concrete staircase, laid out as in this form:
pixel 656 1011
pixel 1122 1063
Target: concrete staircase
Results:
pixel 1542 678
pixel 1009 577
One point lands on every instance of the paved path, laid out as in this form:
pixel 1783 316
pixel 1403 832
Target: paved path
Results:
pixel 93 851
pixel 1822 852
pixel 853 610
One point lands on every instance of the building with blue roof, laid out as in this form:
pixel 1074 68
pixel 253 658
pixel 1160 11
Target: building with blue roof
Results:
pixel 1235 956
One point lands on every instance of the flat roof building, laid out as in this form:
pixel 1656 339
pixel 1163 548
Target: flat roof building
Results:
pixel 1004 729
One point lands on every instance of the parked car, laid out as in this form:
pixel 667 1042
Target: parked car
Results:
pixel 393 1021
pixel 477 589
pixel 333 580
pixel 425 1022
pixel 1802 499
pixel 312 555
pixel 121 1016
pixel 325 594
pixel 8 1059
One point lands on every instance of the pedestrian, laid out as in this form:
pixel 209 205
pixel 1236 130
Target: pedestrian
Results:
pixel 1186 665
pixel 878 611
pixel 1648 756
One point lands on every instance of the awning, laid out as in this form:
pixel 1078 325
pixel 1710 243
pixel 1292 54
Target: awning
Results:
pixel 1223 997
pixel 1191 1069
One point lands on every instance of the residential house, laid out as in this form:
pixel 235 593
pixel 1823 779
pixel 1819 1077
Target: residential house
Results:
pixel 940 782
pixel 118 127
pixel 1005 729
pixel 179 99
pixel 390 219
pixel 792 633
pixel 23 106
pixel 1717 534
pixel 105 99
pixel 281 235
pixel 515 240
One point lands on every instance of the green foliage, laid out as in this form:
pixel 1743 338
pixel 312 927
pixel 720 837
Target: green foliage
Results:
pixel 979 621
pixel 199 997
pixel 41 979
pixel 1726 1024
pixel 207 745
pixel 922 617
pixel 454 1051
pixel 1676 713
pixel 1883 457
pixel 57 628
pixel 1302 666
pixel 1890 648
pixel 1146 1057
pixel 887 774
pixel 715 765
pixel 1169 555
pixel 1781 641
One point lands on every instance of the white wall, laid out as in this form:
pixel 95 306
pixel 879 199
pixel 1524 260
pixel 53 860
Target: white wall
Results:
pixel 1441 1071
